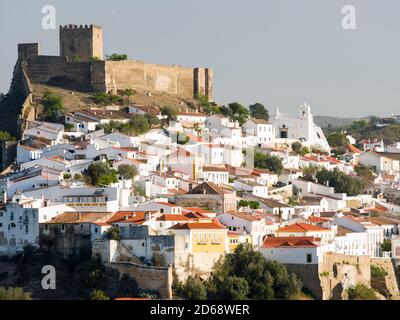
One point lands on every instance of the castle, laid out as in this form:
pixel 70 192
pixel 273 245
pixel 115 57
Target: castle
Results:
pixel 81 63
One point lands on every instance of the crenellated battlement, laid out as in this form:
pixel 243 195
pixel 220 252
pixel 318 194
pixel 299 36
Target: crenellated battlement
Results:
pixel 77 65
pixel 79 27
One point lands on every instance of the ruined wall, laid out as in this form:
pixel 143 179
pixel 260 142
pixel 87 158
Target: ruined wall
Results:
pixel 332 277
pixel 148 278
pixel 387 285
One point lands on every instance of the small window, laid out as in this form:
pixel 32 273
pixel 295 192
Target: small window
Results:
pixel 309 257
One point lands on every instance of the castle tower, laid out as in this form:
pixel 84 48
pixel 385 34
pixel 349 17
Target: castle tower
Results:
pixel 81 43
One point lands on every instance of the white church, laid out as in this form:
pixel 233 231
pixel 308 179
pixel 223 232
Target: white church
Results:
pixel 289 128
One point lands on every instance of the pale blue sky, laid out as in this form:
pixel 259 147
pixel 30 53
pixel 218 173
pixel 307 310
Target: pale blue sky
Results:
pixel 271 51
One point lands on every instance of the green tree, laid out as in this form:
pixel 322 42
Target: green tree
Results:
pixel 296 147
pixel 386 245
pixel 337 140
pixel 14 294
pixel 234 288
pixel 113 233
pixel 265 279
pixel 5 136
pixel 97 294
pixel 117 57
pixel 67 176
pixel 266 161
pixel 127 171
pixel 249 203
pixel 361 292
pixel 53 106
pixel 194 289
pixel 169 113
pixel 310 172
pixel 258 111
pixel 100 174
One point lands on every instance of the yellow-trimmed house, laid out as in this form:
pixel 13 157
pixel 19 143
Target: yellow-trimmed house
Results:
pixel 198 246
pixel 235 239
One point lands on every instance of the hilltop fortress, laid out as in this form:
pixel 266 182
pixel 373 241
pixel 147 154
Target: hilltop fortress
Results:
pixel 81 63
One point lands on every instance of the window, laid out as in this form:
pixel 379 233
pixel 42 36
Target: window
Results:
pixel 161 210
pixel 309 257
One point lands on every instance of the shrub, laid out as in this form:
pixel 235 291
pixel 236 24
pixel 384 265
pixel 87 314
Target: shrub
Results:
pixel 53 106
pixel 386 245
pixel 194 289
pixel 159 260
pixel 117 57
pixel 127 171
pixel 67 176
pixel 378 272
pixel 100 174
pixel 361 292
pixel 14 294
pixel 5 136
pixel 266 161
pixel 113 233
pixel 97 294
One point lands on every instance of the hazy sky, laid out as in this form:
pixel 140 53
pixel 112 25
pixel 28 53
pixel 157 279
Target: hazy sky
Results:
pixel 276 52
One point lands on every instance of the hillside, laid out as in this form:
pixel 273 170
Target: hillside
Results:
pixel 335 122
pixel 74 100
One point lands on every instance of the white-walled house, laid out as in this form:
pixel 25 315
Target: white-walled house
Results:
pixel 218 175
pixel 381 162
pixel 298 250
pixel 307 230
pixel 263 130
pixel 19 222
pixel 374 232
pixel 245 223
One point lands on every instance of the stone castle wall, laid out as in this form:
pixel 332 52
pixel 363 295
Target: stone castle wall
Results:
pixel 331 278
pixel 110 76
pixel 76 67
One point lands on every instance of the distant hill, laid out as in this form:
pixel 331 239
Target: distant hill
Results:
pixel 324 121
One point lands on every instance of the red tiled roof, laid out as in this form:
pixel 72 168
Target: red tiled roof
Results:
pixel 172 217
pixel 301 227
pixel 293 242
pixel 197 225
pixel 135 217
pixel 352 149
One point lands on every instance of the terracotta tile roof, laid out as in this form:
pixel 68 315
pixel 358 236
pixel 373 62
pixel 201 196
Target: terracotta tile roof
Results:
pixel 291 242
pixel 172 217
pixel 197 225
pixel 135 217
pixel 301 227
pixel 245 216
pixel 352 149
pixel 80 217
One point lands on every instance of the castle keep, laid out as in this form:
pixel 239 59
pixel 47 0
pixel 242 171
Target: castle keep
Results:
pixel 81 64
